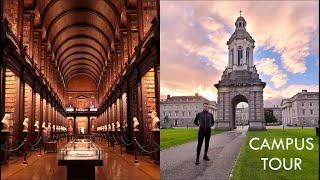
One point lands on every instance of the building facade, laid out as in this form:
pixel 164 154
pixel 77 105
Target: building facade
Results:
pixel 181 110
pixel 242 115
pixel 301 109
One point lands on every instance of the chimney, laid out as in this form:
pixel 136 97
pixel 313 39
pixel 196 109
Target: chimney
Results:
pixel 168 96
pixel 196 94
pixel 304 91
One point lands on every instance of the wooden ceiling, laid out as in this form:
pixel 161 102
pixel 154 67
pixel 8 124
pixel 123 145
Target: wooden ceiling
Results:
pixel 81 34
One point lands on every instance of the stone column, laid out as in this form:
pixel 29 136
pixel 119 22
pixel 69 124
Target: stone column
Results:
pixel 235 59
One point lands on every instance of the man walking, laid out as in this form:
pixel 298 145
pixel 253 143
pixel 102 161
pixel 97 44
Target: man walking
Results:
pixel 205 121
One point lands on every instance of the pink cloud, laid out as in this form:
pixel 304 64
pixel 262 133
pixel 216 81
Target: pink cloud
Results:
pixel 268 67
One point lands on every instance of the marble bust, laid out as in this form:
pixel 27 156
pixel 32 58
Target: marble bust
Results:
pixel 36 125
pixel 118 125
pixel 135 124
pixel 49 126
pixel 5 122
pixel 155 121
pixel 112 127
pixel 109 127
pixel 25 124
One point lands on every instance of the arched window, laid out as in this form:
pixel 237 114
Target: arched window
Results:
pixel 239 54
pixel 247 55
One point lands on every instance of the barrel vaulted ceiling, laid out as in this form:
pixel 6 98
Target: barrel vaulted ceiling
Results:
pixel 81 34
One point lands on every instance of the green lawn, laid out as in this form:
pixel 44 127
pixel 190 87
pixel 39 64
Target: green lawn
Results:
pixel 177 136
pixel 250 166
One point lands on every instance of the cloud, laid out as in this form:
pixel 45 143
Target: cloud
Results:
pixel 269 67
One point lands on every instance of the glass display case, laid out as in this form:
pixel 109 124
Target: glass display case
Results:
pixel 81 149
pixel 80 156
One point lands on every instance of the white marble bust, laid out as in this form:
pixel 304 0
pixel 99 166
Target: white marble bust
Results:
pixel 5 122
pixel 36 125
pixel 112 127
pixel 118 125
pixel 135 124
pixel 25 124
pixel 125 125
pixel 155 121
pixel 49 126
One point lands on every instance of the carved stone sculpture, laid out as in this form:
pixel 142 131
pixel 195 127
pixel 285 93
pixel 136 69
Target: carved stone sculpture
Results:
pixel 118 125
pixel 5 122
pixel 112 127
pixel 155 121
pixel 135 124
pixel 25 124
pixel 36 126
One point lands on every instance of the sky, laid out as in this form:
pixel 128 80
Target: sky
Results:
pixel 193 50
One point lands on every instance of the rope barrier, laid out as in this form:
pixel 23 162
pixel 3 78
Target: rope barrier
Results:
pixel 156 144
pixel 11 150
pixel 144 149
pixel 129 144
pixel 37 142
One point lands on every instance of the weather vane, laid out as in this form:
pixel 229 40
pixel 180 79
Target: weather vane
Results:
pixel 240 12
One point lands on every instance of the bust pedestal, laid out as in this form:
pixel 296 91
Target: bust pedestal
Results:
pixel 156 139
pixel 25 135
pixel 4 139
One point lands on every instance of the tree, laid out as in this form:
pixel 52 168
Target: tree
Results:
pixel 269 117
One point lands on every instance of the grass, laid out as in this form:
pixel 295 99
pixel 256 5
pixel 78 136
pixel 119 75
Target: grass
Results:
pixel 250 166
pixel 174 137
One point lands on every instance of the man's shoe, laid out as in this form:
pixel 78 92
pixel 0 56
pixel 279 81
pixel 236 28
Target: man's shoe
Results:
pixel 197 161
pixel 206 158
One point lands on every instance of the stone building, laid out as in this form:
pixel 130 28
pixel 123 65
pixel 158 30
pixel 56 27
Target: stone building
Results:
pixel 240 82
pixel 181 110
pixel 301 109
pixel 242 114
pixel 277 112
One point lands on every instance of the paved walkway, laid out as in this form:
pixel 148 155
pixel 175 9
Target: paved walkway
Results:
pixel 178 162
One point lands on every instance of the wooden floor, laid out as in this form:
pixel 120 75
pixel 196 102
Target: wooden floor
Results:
pixel 116 166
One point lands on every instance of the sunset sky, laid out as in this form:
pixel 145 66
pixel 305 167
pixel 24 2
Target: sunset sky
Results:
pixel 194 51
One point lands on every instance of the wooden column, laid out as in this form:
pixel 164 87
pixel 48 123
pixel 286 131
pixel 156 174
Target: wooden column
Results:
pixel 41 115
pixel 33 115
pixel 2 87
pixel 89 125
pixel 21 107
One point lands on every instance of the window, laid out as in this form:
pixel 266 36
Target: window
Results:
pixel 311 111
pixel 302 104
pixel 247 55
pixel 239 54
pixel 189 113
pixel 176 113
pixel 232 55
pixel 182 113
pixel 303 111
pixel 311 104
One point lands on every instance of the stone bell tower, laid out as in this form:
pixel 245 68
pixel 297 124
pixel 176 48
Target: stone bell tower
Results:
pixel 240 82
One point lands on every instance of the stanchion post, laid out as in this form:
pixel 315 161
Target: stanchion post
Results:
pixel 120 142
pixel 25 151
pixel 135 147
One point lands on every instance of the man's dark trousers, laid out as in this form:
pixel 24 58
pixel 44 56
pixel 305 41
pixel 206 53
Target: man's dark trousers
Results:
pixel 203 135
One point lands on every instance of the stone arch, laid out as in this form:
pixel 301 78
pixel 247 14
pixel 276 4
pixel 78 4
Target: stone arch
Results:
pixel 234 102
